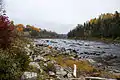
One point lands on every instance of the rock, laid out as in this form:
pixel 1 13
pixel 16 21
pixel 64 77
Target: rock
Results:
pixel 91 61
pixel 29 51
pixel 85 52
pixel 79 44
pixel 72 58
pixel 37 60
pixel 74 51
pixel 69 75
pixel 61 72
pixel 29 76
pixel 28 45
pixel 81 53
pixel 42 51
pixel 103 52
pixel 45 64
pixel 53 61
pixel 98 47
pixel 51 73
pixel 87 45
pixel 40 58
pixel 76 56
pixel 116 71
pixel 34 64
pixel 37 45
pixel 97 54
pixel 62 49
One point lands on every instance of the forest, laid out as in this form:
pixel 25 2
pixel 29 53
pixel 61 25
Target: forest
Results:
pixel 105 26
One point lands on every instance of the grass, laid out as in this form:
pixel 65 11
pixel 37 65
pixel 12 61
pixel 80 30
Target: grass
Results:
pixel 66 61
pixel 83 66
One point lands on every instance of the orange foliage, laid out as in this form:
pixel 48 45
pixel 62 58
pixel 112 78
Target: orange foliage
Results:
pixel 19 29
pixel 20 25
pixel 33 28
pixel 36 29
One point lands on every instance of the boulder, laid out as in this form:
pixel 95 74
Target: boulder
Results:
pixel 61 72
pixel 34 64
pixel 51 73
pixel 29 76
pixel 69 75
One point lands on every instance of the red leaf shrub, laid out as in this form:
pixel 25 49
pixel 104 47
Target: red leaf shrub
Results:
pixel 6 30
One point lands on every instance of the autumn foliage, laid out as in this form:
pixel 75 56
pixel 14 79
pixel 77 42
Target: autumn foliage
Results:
pixel 6 31
pixel 20 27
pixel 32 28
pixel 105 26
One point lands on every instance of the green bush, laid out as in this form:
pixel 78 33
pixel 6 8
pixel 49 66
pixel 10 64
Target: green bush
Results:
pixel 13 62
pixel 49 67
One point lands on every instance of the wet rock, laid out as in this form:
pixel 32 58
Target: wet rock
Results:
pixel 93 53
pixel 103 52
pixel 55 48
pixel 64 41
pixel 72 45
pixel 53 42
pixel 74 51
pixel 98 47
pixel 86 53
pixel 97 54
pixel 87 45
pixel 47 40
pixel 69 49
pixel 63 49
pixel 81 53
pixel 79 44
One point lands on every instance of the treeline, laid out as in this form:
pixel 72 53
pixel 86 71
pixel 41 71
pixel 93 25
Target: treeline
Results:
pixel 47 34
pixel 105 26
pixel 34 32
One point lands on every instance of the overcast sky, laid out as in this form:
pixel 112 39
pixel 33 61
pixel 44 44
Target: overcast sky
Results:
pixel 58 15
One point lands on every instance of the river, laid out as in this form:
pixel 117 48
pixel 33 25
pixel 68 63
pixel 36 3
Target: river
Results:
pixel 107 54
pixel 83 46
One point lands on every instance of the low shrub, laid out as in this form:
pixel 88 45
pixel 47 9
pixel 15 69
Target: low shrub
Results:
pixel 13 62
pixel 13 56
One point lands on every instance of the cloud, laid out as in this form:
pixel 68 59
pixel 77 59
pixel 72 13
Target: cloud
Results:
pixel 58 15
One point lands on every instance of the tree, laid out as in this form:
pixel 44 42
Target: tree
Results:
pixel 106 25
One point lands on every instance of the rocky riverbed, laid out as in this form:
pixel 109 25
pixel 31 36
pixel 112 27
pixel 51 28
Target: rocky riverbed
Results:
pixel 107 54
pixel 57 62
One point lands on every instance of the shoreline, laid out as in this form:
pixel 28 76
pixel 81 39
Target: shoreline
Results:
pixel 104 40
pixel 56 63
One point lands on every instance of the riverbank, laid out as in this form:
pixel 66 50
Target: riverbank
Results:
pixel 105 40
pixel 50 63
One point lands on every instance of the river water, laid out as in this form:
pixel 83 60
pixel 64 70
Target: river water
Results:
pixel 83 46
pixel 107 54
